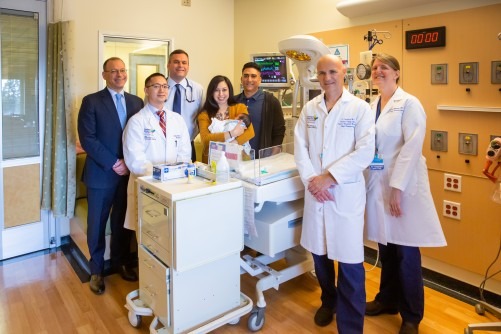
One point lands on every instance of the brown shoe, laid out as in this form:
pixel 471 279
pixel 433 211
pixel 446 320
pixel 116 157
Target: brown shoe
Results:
pixel 409 328
pixel 324 316
pixel 96 284
pixel 127 273
pixel 375 308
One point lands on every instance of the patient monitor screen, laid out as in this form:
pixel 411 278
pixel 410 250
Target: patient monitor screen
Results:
pixel 274 70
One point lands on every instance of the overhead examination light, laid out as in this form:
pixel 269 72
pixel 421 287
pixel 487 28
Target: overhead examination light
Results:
pixel 304 51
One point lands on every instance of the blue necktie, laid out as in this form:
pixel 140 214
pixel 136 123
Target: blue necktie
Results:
pixel 121 110
pixel 177 100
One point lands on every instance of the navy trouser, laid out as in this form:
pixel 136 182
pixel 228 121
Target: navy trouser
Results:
pixel 348 298
pixel 401 282
pixel 100 203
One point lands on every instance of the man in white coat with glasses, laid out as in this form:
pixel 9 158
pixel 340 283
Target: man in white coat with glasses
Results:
pixel 147 141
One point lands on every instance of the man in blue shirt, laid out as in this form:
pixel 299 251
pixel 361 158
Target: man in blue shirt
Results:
pixel 264 109
pixel 189 93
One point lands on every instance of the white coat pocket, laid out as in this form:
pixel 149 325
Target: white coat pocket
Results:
pixel 349 198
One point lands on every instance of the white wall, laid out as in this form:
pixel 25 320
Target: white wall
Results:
pixel 205 30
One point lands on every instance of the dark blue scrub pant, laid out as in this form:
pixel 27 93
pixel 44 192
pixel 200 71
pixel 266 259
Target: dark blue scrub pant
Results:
pixel 348 299
pixel 401 284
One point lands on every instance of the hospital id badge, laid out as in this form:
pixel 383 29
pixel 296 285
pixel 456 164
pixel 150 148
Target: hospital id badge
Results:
pixel 377 163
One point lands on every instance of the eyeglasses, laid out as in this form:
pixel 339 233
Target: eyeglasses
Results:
pixel 157 86
pixel 122 71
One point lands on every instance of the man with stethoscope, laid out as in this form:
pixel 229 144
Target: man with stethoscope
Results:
pixel 155 135
pixel 185 95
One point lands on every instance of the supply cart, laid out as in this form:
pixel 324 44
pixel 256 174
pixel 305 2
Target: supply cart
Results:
pixel 191 235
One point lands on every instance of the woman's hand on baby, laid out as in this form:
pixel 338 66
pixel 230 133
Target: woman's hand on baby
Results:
pixel 239 129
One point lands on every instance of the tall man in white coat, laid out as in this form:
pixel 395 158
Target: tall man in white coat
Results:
pixel 145 144
pixel 334 143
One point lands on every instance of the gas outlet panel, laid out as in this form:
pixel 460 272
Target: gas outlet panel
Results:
pixel 468 143
pixel 496 72
pixel 439 141
pixel 468 73
pixel 438 74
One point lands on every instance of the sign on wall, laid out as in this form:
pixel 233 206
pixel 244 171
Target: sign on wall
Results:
pixel 343 51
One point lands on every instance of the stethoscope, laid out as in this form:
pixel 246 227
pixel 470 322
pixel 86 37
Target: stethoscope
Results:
pixel 190 100
pixel 186 92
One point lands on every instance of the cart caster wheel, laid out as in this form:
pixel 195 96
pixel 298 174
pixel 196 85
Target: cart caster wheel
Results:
pixel 134 319
pixel 256 321
pixel 479 308
pixel 234 321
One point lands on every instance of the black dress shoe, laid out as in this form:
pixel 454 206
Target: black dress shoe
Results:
pixel 409 328
pixel 96 284
pixel 375 308
pixel 324 316
pixel 127 273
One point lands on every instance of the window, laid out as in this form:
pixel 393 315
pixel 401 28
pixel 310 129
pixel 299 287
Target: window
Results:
pixel 20 84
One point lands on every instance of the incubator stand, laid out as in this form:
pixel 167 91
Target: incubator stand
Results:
pixel 273 200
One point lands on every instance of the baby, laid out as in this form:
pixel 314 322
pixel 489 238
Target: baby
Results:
pixel 226 125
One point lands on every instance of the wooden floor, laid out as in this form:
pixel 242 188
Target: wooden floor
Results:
pixel 42 294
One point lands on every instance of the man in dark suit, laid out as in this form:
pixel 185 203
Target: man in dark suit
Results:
pixel 101 120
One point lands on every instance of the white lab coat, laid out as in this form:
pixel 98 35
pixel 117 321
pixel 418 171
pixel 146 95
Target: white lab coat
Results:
pixel 144 145
pixel 400 132
pixel 341 142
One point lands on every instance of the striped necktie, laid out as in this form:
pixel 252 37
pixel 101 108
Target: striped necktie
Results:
pixel 161 114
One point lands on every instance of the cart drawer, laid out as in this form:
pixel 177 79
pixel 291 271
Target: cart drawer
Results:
pixel 153 285
pixel 278 227
pixel 156 249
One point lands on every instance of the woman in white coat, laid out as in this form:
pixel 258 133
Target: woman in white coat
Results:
pixel 401 216
pixel 333 145
pixel 145 144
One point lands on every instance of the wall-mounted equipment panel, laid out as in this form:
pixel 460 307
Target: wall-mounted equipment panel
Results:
pixel 468 143
pixel 439 141
pixel 496 72
pixel 468 73
pixel 438 74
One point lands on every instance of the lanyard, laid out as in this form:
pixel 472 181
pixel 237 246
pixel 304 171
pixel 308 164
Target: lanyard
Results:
pixel 378 109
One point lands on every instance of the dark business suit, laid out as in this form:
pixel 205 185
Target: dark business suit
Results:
pixel 100 135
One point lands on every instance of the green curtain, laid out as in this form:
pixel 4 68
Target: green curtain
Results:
pixel 58 179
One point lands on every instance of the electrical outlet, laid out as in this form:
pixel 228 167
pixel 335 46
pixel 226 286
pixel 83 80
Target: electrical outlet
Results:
pixel 452 210
pixel 186 3
pixel 452 182
pixel 468 143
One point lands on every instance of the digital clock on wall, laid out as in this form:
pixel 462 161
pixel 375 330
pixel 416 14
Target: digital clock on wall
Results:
pixel 425 38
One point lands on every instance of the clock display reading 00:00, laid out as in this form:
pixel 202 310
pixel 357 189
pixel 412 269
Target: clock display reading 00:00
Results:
pixel 425 38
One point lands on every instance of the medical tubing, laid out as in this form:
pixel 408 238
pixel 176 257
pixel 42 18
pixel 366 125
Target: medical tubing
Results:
pixel 486 276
